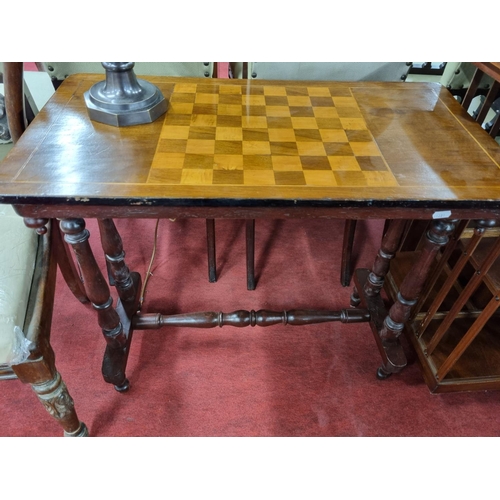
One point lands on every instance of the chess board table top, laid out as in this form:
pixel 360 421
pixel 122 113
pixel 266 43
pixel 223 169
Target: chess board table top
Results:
pixel 260 142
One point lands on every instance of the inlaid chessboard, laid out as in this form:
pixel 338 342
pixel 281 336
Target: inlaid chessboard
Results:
pixel 266 135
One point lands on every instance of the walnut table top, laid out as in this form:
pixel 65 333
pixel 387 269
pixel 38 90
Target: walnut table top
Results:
pixel 256 143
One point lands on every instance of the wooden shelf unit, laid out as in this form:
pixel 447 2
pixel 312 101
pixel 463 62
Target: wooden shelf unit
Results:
pixel 464 355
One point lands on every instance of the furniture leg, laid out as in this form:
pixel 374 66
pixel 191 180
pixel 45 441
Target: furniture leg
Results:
pixel 128 285
pixel 389 246
pixel 212 271
pixel 66 265
pixel 112 324
pixel 52 392
pixel 346 266
pixel 412 285
pixel 250 253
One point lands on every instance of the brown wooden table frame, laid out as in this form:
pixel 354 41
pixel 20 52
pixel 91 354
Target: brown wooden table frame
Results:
pixel 36 200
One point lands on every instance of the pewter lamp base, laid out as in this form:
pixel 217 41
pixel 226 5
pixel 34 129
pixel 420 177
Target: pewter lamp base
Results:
pixel 122 100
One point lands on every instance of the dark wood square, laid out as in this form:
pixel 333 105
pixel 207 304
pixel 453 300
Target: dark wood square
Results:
pixel 279 122
pixel 349 112
pixel 315 163
pixel 257 162
pixel 301 111
pixel 276 100
pixel 329 123
pixel 254 89
pixel 253 110
pixel 255 134
pixel 338 149
pixel 317 101
pixel 198 161
pixel 339 92
pixel 229 98
pixel 172 119
pixel 202 133
pixel 359 135
pixel 172 146
pixel 284 149
pixel 228 121
pixel 307 134
pixel 228 177
pixel 182 97
pixel 289 178
pixel 207 88
pixel 371 163
pixel 204 109
pixel 228 148
pixel 300 91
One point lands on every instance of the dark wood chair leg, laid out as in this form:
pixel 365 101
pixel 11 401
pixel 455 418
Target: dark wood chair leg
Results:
pixel 117 335
pixel 52 392
pixel 67 266
pixel 250 253
pixel 347 245
pixel 212 271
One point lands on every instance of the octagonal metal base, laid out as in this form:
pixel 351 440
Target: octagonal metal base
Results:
pixel 120 112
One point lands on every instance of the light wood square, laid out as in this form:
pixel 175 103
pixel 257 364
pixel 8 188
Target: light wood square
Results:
pixel 286 163
pixel 304 122
pixel 180 108
pixel 258 178
pixel 200 147
pixel 228 162
pixel 298 100
pixel 365 149
pixel 229 109
pixel 174 132
pixel 253 100
pixel 281 135
pixel 333 135
pixel 204 120
pixel 311 148
pixel 228 134
pixel 272 90
pixel 254 121
pixel 353 123
pixel 319 178
pixel 207 99
pixel 325 112
pixel 185 88
pixel 197 177
pixel 344 163
pixel 319 91
pixel 256 148
pixel 277 111
pixel 345 102
pixel 380 179
pixel 165 176
pixel 229 89
pixel 168 160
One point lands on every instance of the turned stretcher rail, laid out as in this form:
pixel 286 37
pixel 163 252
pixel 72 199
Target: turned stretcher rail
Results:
pixel 242 318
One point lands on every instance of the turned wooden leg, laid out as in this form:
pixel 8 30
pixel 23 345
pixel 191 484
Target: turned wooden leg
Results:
pixel 390 244
pixel 411 287
pixel 128 285
pixel 250 253
pixel 212 271
pixel 347 245
pixel 48 385
pixel 97 290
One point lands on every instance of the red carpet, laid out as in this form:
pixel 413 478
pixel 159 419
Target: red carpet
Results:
pixel 317 380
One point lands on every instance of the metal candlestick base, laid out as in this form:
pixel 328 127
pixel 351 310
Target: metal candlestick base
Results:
pixel 122 99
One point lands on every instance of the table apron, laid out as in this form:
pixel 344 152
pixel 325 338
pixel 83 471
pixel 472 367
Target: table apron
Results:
pixel 235 212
